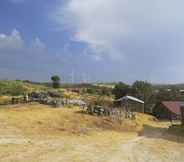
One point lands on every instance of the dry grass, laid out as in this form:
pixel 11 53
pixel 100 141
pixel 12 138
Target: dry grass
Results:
pixel 145 119
pixel 5 99
pixel 35 132
pixel 71 95
pixel 39 133
pixel 41 119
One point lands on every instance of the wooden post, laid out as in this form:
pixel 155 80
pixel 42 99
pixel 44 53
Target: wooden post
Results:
pixel 13 100
pixel 182 114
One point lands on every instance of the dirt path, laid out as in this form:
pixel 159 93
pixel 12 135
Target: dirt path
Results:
pixel 142 149
pixel 79 149
pixel 152 146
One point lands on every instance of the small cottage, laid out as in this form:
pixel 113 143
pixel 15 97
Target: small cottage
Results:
pixel 132 104
pixel 168 110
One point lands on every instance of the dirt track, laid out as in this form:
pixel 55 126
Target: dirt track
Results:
pixel 78 149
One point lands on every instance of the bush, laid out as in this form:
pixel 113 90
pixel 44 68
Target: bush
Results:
pixel 13 88
pixel 91 91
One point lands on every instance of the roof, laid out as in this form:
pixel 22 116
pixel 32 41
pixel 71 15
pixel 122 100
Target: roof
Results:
pixel 130 98
pixel 173 106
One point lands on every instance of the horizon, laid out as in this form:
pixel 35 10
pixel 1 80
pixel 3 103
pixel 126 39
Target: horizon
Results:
pixel 92 40
pixel 115 82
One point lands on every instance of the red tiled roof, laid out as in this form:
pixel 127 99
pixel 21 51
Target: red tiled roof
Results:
pixel 173 106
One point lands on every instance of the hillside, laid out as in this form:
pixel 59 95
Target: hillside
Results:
pixel 36 132
pixel 16 87
pixel 41 119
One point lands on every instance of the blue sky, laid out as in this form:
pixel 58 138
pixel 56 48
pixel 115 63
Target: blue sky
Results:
pixel 96 40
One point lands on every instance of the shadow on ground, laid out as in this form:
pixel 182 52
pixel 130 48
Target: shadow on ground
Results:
pixel 173 133
pixel 170 133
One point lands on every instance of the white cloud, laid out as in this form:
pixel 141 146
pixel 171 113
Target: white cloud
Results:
pixel 12 42
pixel 109 26
pixel 21 59
pixel 38 45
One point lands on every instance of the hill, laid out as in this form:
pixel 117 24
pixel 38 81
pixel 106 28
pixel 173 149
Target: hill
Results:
pixel 17 87
pixel 41 119
pixel 35 132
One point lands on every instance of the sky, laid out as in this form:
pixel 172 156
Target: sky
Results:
pixel 92 40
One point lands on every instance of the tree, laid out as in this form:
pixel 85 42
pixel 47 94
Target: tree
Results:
pixel 121 89
pixel 142 90
pixel 168 94
pixel 55 81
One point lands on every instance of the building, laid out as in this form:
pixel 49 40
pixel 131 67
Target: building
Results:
pixel 181 91
pixel 131 103
pixel 168 110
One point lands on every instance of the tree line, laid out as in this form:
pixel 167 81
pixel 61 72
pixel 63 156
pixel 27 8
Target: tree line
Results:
pixel 150 94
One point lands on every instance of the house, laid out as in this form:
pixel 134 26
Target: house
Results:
pixel 168 110
pixel 131 103
pixel 74 90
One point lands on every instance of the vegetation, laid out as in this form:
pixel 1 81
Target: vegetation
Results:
pixel 17 87
pixel 139 89
pixel 97 93
pixel 42 119
pixel 121 89
pixel 143 90
pixel 55 81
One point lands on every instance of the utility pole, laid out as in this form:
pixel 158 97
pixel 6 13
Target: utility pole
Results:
pixel 84 78
pixel 88 78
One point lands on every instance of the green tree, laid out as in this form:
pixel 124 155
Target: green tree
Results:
pixel 144 91
pixel 168 94
pixel 121 89
pixel 55 81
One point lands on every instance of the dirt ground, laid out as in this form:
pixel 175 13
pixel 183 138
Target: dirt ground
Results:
pixel 35 133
